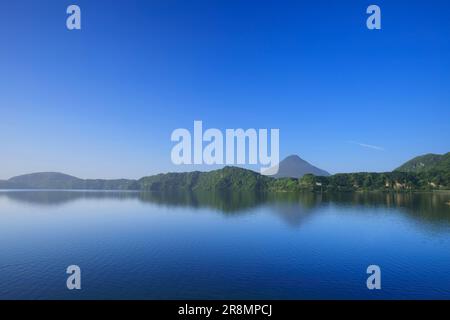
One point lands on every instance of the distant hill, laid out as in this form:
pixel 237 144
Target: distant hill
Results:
pixel 5 184
pixel 56 180
pixel 50 180
pixel 427 163
pixel 295 167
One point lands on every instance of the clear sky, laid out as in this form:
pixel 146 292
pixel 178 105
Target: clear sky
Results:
pixel 102 102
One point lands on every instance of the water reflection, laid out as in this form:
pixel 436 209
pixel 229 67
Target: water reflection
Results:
pixel 269 246
pixel 58 197
pixel 291 207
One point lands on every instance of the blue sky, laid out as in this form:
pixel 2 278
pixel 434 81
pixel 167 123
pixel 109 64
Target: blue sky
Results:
pixel 103 101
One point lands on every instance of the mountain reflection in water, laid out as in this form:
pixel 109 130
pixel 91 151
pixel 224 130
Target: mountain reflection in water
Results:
pixel 293 208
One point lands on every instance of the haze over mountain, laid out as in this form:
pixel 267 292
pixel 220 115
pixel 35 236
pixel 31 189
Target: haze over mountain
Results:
pixel 295 167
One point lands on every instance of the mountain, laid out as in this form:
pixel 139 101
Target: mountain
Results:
pixel 242 180
pixel 5 185
pixel 428 172
pixel 48 180
pixel 427 163
pixel 226 179
pixel 56 180
pixel 295 167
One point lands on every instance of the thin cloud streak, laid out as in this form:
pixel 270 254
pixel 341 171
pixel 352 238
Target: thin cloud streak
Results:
pixel 365 145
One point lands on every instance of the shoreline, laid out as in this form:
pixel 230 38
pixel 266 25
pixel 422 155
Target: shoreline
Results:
pixel 231 191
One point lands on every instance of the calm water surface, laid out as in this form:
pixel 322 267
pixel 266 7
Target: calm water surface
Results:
pixel 152 246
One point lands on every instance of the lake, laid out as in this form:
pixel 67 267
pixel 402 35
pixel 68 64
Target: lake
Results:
pixel 132 245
